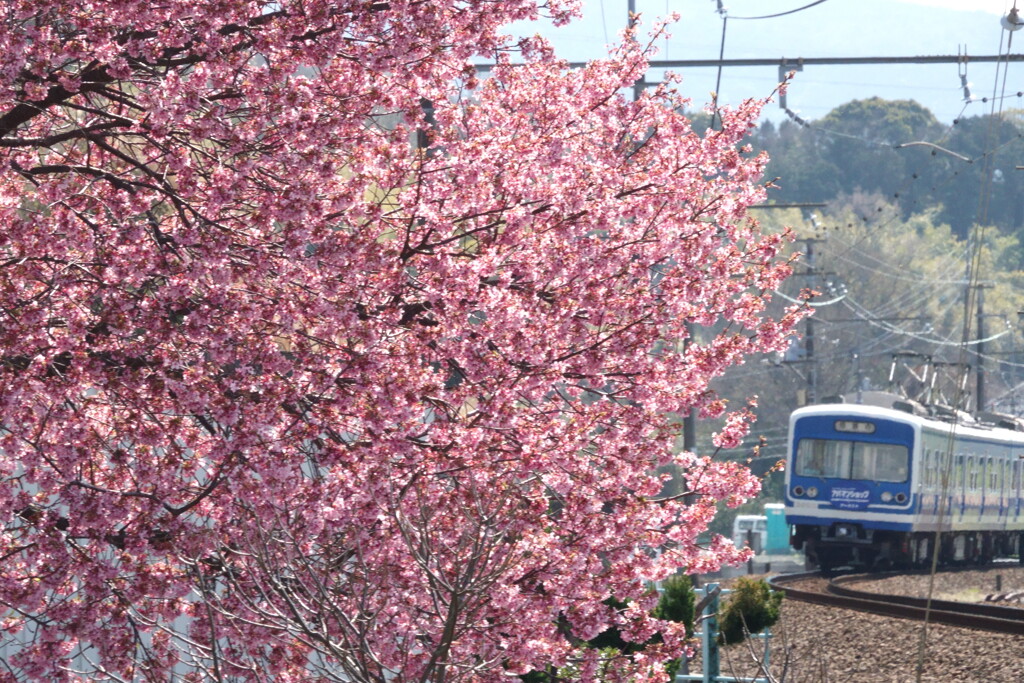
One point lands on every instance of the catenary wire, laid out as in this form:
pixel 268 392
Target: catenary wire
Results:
pixel 782 14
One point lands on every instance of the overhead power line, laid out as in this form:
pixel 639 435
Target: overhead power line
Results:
pixel 787 63
pixel 782 14
pixel 830 61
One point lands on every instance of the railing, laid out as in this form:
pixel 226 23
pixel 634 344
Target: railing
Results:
pixel 710 657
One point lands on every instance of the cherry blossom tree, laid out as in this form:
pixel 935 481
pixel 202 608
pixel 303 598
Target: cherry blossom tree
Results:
pixel 326 358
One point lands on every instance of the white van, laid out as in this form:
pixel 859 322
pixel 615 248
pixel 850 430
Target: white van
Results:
pixel 750 530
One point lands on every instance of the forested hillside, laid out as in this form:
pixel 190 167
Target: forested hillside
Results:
pixel 888 254
pixel 897 148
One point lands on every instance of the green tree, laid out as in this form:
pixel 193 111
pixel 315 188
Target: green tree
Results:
pixel 899 150
pixel 988 188
pixel 897 284
pixel 854 147
pixel 800 171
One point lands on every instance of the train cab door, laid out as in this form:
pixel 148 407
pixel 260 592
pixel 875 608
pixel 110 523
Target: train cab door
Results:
pixel 983 492
pixel 974 484
pixel 933 476
pixel 1016 489
pixel 960 488
pixel 1001 483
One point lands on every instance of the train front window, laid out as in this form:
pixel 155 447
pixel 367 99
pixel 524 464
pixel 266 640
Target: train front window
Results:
pixel 835 459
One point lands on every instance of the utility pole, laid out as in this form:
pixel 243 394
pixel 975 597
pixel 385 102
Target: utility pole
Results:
pixel 1016 365
pixel 812 365
pixel 980 399
pixel 980 405
pixel 857 377
pixel 690 419
pixel 640 84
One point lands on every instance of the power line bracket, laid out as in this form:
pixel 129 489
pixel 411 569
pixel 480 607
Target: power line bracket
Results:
pixel 784 69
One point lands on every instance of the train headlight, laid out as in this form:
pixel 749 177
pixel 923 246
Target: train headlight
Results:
pixel 798 491
pixel 901 498
pixel 886 496
pixel 812 491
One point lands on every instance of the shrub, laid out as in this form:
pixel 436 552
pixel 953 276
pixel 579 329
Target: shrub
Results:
pixel 676 604
pixel 677 601
pixel 752 607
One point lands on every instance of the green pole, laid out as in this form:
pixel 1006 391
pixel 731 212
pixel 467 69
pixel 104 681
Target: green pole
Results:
pixel 712 663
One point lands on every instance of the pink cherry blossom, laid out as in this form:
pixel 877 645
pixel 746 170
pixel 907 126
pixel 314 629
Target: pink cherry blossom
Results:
pixel 324 356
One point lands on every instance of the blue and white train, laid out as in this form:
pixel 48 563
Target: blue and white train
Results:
pixel 879 485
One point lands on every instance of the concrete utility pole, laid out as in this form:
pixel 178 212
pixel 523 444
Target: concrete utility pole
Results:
pixel 980 399
pixel 812 365
pixel 980 405
pixel 690 419
pixel 641 84
pixel 1016 365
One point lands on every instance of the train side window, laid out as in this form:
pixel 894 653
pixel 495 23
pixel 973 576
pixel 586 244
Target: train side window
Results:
pixel 959 471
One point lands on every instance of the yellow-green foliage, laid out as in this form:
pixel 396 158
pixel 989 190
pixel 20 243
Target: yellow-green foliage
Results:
pixel 751 608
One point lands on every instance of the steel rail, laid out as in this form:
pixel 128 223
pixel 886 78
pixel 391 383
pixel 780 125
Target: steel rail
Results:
pixel 981 616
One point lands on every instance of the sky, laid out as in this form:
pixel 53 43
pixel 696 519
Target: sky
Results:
pixel 999 7
pixel 832 28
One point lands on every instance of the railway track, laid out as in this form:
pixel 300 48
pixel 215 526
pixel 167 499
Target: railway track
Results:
pixel 839 592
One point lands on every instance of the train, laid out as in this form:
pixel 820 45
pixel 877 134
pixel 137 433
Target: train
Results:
pixel 885 481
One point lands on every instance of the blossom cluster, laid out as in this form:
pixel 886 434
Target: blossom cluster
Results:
pixel 324 357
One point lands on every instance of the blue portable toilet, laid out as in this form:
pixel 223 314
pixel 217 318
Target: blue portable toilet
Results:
pixel 777 541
